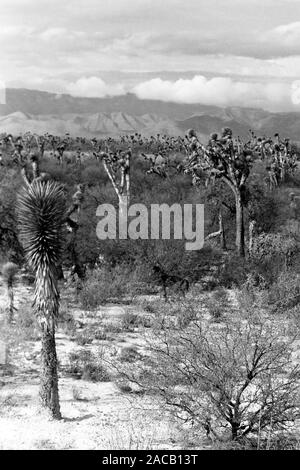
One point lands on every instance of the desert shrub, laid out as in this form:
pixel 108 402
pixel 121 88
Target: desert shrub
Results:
pixel 284 293
pixel 233 272
pixel 77 395
pixel 84 337
pixel 280 441
pixel 26 318
pixel 9 272
pixel 100 334
pixel 209 285
pixel 27 277
pixel 10 247
pixel 112 328
pixel 131 320
pixel 216 310
pixel 67 322
pixel 86 366
pixel 217 304
pixel 149 307
pixel 272 253
pixel 129 354
pixel 25 328
pixel 235 380
pixel 276 441
pixel 91 333
pixel 109 284
pixel 124 387
pixel 95 373
pixel 184 314
pixel 221 296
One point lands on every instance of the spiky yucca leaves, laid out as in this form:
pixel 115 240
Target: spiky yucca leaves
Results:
pixel 41 213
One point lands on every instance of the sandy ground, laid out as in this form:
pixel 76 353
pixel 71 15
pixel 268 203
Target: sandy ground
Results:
pixel 95 415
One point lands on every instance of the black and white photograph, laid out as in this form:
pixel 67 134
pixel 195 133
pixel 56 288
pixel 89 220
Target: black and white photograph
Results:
pixel 150 228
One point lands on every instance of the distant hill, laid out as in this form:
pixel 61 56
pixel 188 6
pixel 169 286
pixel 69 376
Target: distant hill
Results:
pixel 41 112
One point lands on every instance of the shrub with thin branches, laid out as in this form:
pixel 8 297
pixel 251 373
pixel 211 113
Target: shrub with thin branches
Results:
pixel 234 379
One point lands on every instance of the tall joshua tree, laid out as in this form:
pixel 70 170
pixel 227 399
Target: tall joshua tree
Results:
pixel 41 215
pixel 117 166
pixel 227 159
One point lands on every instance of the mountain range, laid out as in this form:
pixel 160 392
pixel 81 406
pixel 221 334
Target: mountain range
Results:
pixel 40 112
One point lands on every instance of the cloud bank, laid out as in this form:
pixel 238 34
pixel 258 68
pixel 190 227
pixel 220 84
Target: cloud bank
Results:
pixel 220 91
pixel 94 87
pixel 217 91
pixel 244 53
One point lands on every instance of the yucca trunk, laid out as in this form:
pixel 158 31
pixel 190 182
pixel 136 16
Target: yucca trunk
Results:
pixel 10 294
pixel 49 379
pixel 46 303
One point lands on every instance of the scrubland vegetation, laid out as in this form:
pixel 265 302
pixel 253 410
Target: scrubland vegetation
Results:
pixel 216 366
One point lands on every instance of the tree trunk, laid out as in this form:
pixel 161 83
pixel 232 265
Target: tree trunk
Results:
pixel 240 232
pixel 234 430
pixel 60 273
pixel 221 228
pixel 252 224
pixel 49 380
pixel 10 292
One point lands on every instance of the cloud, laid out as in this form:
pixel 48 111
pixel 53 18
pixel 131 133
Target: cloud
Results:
pixel 281 41
pixel 94 87
pixel 219 91
pixel 66 46
pixel 296 92
pixel 289 32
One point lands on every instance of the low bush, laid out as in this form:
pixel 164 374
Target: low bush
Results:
pixel 233 273
pixel 284 293
pixel 109 284
pixel 86 366
pixel 217 304
pixel 129 354
pixel 236 380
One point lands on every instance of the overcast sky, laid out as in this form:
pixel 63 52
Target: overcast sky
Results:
pixel 223 52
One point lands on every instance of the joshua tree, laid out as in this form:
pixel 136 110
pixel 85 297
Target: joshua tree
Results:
pixel 227 159
pixel 9 271
pixel 41 216
pixel 72 222
pixel 117 167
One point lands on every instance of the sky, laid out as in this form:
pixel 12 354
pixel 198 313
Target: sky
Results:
pixel 219 52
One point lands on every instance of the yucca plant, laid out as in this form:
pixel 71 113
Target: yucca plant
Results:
pixel 41 213
pixel 9 272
